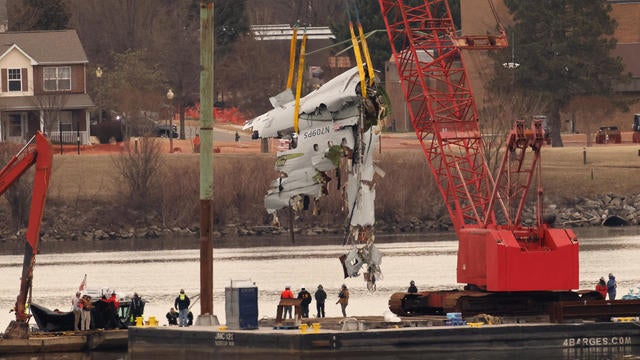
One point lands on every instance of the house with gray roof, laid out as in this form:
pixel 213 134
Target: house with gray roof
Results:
pixel 43 86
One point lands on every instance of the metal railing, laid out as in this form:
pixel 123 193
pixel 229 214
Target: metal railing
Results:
pixel 69 137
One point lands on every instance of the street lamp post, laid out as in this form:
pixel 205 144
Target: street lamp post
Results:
pixel 170 96
pixel 60 133
pixel 78 134
pixel 99 76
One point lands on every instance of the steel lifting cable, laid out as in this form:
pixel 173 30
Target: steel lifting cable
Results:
pixel 365 47
pixel 357 53
pixel 495 15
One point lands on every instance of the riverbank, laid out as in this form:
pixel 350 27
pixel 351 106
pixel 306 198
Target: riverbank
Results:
pixel 601 211
pixel 171 241
pixel 89 204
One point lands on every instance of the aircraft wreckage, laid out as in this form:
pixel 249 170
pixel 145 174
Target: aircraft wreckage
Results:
pixel 338 129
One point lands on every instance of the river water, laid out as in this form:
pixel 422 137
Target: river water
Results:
pixel 158 275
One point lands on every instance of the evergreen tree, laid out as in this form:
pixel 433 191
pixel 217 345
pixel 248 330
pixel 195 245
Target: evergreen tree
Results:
pixel 563 48
pixel 230 22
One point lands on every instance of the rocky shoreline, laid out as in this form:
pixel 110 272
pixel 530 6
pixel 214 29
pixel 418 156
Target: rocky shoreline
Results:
pixel 601 210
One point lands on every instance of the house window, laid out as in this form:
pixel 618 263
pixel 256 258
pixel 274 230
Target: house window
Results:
pixel 64 122
pixel 15 79
pixel 15 126
pixel 57 78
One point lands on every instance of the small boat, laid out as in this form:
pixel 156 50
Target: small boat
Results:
pixel 50 320
pixel 101 317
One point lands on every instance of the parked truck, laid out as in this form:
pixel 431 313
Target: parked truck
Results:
pixel 636 128
pixel 545 126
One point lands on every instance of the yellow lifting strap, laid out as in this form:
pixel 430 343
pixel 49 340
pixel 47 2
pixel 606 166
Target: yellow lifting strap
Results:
pixel 367 56
pixel 292 56
pixel 356 52
pixel 363 40
pixel 299 82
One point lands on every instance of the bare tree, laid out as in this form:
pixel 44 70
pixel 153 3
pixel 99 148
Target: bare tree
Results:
pixel 500 111
pixel 313 12
pixel 140 168
pixel 179 202
pixel 178 49
pixel 135 86
pixel 50 106
pixel 106 27
pixel 253 71
pixel 19 194
pixel 27 15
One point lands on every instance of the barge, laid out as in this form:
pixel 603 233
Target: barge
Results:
pixel 69 341
pixel 423 336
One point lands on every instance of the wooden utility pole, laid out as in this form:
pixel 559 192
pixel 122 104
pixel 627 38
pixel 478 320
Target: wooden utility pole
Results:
pixel 206 164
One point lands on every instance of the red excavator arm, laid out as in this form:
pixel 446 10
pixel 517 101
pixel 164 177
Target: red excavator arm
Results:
pixel 37 151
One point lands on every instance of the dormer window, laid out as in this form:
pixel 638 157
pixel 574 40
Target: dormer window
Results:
pixel 15 79
pixel 57 78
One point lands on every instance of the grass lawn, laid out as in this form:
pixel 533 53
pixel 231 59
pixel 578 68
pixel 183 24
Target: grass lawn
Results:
pixel 608 168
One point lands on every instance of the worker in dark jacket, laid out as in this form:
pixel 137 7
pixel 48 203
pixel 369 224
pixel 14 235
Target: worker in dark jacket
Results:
pixel 182 304
pixel 612 285
pixel 412 287
pixel 304 304
pixel 320 297
pixel 172 317
pixel 137 307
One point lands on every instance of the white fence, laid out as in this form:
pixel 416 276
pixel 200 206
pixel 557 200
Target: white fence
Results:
pixel 69 137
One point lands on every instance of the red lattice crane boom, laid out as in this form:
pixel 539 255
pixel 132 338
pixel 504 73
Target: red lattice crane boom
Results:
pixel 496 252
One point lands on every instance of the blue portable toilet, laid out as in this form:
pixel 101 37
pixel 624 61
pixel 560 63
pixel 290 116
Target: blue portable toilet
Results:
pixel 241 305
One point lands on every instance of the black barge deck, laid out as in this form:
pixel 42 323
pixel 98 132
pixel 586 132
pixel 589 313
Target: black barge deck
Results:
pixel 389 342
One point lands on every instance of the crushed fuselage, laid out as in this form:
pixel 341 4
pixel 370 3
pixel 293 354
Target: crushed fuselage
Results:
pixel 338 130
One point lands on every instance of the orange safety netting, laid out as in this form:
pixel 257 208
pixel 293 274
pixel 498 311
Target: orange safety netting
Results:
pixel 221 115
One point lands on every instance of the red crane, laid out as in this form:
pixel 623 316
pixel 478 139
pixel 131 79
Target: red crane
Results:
pixel 496 252
pixel 36 152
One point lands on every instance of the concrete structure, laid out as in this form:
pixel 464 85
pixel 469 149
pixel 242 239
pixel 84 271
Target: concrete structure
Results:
pixel 320 65
pixel 627 14
pixel 285 31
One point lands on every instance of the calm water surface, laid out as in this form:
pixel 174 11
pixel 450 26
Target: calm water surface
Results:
pixel 158 275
